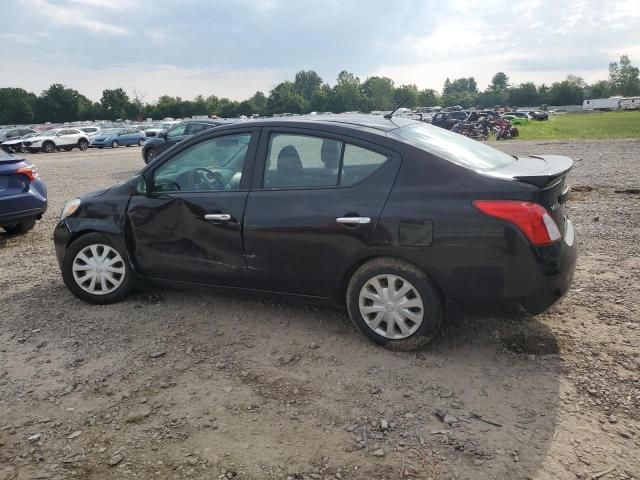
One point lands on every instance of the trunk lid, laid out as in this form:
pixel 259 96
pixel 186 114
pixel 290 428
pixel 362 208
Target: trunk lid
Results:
pixel 549 174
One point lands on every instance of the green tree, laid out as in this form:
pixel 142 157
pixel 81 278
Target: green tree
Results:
pixel 16 106
pixel 306 83
pixel 523 95
pixel 57 104
pixel 380 91
pixel 285 99
pixel 428 98
pixel 600 89
pixel 347 94
pixel 115 104
pixel 258 103
pixel 567 92
pixel 624 78
pixel 499 82
pixel 408 92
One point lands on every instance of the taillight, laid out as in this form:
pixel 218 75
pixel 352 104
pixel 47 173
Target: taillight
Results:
pixel 532 219
pixel 31 172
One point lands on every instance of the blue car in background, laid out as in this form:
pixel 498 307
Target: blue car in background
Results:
pixel 114 137
pixel 23 195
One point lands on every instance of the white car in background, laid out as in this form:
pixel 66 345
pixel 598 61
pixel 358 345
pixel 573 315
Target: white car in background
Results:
pixel 57 139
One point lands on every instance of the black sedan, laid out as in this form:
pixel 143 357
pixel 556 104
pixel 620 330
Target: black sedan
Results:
pixel 154 146
pixel 390 217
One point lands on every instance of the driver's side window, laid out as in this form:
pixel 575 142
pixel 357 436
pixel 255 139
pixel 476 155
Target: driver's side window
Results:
pixel 209 166
pixel 177 131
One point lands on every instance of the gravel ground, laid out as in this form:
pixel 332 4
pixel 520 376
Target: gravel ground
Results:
pixel 212 384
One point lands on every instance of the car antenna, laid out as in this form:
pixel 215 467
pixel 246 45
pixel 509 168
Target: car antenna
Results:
pixel 389 115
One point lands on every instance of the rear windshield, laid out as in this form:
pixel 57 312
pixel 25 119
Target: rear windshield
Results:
pixel 456 148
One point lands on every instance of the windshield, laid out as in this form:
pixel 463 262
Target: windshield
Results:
pixel 109 131
pixel 453 147
pixel 48 133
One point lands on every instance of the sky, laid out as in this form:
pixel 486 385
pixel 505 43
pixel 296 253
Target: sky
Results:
pixel 232 48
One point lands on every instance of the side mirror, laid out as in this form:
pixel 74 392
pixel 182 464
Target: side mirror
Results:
pixel 138 185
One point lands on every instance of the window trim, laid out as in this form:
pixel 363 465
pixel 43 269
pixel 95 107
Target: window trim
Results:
pixel 247 168
pixel 263 149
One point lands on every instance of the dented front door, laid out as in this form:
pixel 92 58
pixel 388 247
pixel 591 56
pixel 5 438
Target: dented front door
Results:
pixel 177 237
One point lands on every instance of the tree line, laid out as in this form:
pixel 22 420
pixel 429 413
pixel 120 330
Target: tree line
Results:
pixel 308 92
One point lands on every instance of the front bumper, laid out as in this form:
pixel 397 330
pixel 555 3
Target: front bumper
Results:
pixel 61 237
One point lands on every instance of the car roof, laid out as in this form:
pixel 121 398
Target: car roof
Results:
pixel 367 123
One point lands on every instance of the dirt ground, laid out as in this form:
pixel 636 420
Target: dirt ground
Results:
pixel 209 384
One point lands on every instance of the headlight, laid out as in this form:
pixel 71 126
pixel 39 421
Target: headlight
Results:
pixel 69 208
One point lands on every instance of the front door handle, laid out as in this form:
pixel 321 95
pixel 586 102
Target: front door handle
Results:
pixel 353 220
pixel 220 217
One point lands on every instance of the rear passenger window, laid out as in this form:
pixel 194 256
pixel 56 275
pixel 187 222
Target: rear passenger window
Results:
pixel 194 128
pixel 302 161
pixel 305 161
pixel 359 163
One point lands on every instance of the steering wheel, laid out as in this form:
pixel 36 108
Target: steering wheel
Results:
pixel 201 179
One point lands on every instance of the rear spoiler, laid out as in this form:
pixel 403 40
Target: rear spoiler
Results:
pixel 540 171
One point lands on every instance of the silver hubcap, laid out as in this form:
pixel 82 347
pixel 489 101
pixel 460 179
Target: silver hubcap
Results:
pixel 391 306
pixel 98 269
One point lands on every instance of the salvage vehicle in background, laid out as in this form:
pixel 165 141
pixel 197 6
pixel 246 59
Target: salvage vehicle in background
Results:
pixel 178 132
pixel 57 138
pixel 89 130
pixel 447 120
pixel 12 146
pixel 7 134
pixel 114 137
pixel 391 217
pixel 23 195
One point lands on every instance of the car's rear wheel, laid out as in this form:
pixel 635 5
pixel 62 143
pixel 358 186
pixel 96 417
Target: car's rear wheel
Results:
pixel 83 144
pixel 96 271
pixel 150 155
pixel 18 228
pixel 115 144
pixel 48 147
pixel 141 142
pixel 394 304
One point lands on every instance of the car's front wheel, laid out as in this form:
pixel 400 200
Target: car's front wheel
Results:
pixel 96 271
pixel 83 144
pixel 150 155
pixel 141 142
pixel 394 304
pixel 115 144
pixel 48 147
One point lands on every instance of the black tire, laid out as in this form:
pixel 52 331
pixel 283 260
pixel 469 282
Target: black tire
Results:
pixel 19 228
pixel 432 302
pixel 150 155
pixel 48 147
pixel 22 149
pixel 115 144
pixel 141 142
pixel 118 294
pixel 83 144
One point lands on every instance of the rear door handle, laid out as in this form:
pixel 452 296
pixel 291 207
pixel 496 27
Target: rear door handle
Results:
pixel 353 220
pixel 220 217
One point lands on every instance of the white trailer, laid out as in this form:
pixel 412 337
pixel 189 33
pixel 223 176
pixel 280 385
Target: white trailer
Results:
pixel 612 103
pixel 630 103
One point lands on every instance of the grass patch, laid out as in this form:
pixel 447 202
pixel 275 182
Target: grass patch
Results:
pixel 595 125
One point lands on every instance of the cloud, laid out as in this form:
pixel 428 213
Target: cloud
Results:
pixel 75 13
pixel 413 41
